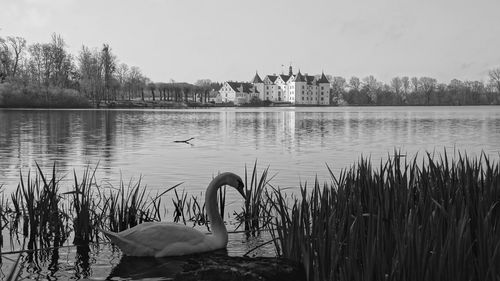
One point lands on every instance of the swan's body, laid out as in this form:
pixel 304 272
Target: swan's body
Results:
pixel 162 239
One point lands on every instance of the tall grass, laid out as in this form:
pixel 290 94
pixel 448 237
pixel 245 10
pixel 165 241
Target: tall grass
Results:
pixel 130 205
pixel 253 214
pixel 3 218
pixel 84 205
pixel 44 215
pixel 193 209
pixel 439 220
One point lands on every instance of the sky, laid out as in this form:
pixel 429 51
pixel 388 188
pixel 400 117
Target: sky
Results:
pixel 187 40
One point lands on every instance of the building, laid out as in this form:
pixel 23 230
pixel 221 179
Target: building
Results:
pixel 293 88
pixel 237 92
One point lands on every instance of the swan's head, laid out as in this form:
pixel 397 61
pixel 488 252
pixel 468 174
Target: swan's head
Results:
pixel 234 181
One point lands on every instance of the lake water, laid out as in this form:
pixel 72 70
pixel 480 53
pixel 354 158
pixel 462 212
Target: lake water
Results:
pixel 296 143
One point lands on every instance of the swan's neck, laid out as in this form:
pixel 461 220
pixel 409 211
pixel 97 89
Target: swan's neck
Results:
pixel 216 224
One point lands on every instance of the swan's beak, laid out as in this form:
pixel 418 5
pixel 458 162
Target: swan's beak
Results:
pixel 242 192
pixel 241 189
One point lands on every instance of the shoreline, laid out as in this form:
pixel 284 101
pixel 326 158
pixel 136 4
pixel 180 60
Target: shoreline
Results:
pixel 149 104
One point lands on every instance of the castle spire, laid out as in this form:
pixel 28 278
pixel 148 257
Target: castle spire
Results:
pixel 323 78
pixel 256 78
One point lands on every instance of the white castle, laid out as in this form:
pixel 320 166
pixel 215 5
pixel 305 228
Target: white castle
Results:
pixel 292 88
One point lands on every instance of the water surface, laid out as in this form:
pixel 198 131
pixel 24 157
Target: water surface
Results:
pixel 296 143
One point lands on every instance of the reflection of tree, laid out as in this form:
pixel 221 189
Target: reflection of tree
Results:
pixel 7 125
pixel 99 134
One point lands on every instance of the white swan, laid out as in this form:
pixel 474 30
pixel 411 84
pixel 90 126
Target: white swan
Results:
pixel 163 239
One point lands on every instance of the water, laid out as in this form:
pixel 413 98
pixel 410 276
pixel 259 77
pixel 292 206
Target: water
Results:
pixel 296 143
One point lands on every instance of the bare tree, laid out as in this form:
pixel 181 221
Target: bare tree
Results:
pixel 152 87
pixel 204 86
pixel 62 62
pixel 36 62
pixel 90 70
pixel 108 61
pixel 397 85
pixel 121 74
pixel 495 78
pixel 338 85
pixel 406 84
pixel 372 85
pixel 18 46
pixel 415 84
pixel 5 60
pixel 354 83
pixel 428 85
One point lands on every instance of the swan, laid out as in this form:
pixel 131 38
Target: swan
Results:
pixel 164 239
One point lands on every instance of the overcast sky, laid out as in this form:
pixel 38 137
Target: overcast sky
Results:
pixel 186 40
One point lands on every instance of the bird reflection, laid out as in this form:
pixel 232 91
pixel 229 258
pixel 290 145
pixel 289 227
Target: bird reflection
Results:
pixel 135 268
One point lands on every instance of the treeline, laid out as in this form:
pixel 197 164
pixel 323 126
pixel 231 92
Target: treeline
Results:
pixel 41 73
pixel 48 75
pixel 415 91
pixel 200 92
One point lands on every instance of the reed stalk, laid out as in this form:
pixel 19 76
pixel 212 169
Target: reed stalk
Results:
pixel 439 220
pixel 253 214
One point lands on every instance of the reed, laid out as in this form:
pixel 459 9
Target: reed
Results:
pixel 39 211
pixel 130 205
pixel 84 205
pixel 179 204
pixel 3 218
pixel 192 210
pixel 253 214
pixel 439 220
pixel 44 216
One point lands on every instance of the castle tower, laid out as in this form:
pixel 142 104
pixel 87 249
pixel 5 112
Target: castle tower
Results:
pixel 323 90
pixel 258 85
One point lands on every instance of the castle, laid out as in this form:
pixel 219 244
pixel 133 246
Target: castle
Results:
pixel 292 88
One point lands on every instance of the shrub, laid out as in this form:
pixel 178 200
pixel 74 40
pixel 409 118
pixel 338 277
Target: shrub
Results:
pixel 18 95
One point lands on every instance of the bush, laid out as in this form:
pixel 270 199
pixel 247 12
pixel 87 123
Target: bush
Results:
pixel 256 101
pixel 17 96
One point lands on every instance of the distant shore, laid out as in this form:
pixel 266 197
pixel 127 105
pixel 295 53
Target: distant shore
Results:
pixel 149 104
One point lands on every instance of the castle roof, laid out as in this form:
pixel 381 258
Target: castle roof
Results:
pixel 272 78
pixel 256 78
pixel 244 86
pixel 300 77
pixel 285 77
pixel 310 79
pixel 323 79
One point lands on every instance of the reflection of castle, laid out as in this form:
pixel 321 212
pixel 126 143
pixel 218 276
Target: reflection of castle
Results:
pixel 293 88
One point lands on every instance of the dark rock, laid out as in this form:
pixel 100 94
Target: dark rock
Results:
pixel 210 266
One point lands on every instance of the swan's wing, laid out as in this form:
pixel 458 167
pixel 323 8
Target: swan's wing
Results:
pixel 157 236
